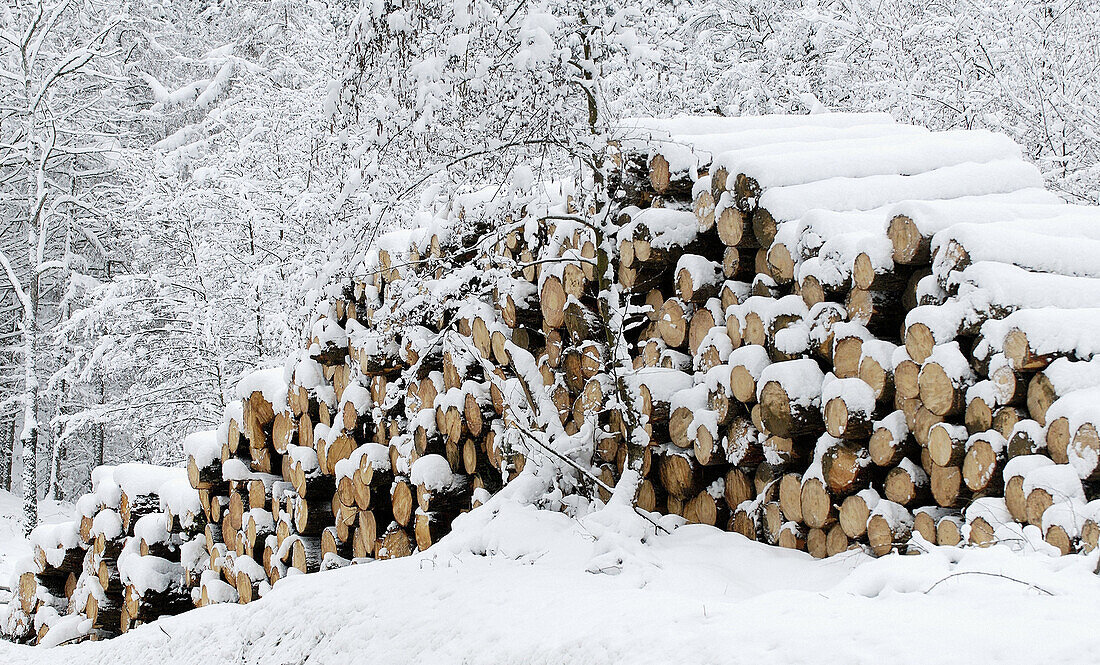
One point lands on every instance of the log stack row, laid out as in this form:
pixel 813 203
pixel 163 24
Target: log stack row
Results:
pixel 824 332
pixel 910 349
pixel 119 564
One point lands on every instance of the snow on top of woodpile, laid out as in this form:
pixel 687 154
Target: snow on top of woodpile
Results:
pixel 661 382
pixel 864 193
pixel 148 573
pixel 152 528
pixel 860 158
pixel 433 472
pixel 1071 330
pixel 1037 247
pixel 988 285
pixel 178 497
pixel 106 490
pixel 701 124
pixel 203 446
pixel 1059 480
pixel 689 152
pixel 271 383
pixel 107 522
pixel 136 479
pixel 801 380
pixel 54 539
pixel 668 227
pixel 376 454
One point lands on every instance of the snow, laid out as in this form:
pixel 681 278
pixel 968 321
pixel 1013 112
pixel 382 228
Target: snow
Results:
pixel 236 469
pixel 953 361
pixel 108 523
pixel 136 479
pixel 895 423
pixel 693 399
pixel 895 514
pixel 702 271
pixel 65 628
pixel 433 472
pixel 203 446
pixel 1040 250
pixel 858 397
pixel 1070 515
pixel 695 124
pixel 147 573
pixel 1059 480
pixel 269 382
pixel 55 538
pixel 1071 331
pixel 668 227
pixel 1067 375
pixel 178 497
pixel 968 179
pixel 860 158
pixel 999 285
pixel 1036 203
pixel 377 454
pixel 152 528
pixel 1020 466
pixel 662 383
pixel 690 152
pixel 753 357
pixel 801 380
pixel 592 593
pixel 991 509
pixel 1077 407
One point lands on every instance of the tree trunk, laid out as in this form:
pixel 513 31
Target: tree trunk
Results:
pixel 29 436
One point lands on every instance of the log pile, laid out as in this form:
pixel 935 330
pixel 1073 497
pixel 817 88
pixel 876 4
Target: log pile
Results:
pixel 809 330
pixel 913 351
pixel 116 566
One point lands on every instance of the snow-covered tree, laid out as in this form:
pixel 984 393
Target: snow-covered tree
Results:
pixel 56 146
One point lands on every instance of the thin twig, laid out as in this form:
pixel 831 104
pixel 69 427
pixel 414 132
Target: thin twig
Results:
pixel 982 572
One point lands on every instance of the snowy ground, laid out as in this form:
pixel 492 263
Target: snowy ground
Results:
pixel 524 586
pixel 13 546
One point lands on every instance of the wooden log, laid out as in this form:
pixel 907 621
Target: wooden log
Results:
pixel 947 444
pixel 846 468
pixel 674 321
pixel 889 528
pixel 890 441
pixel 944 378
pixel 855 511
pixel 697 278
pixel 848 408
pixel 948 488
pixel 792 414
pixel 907 484
pixel 985 457
pixel 818 510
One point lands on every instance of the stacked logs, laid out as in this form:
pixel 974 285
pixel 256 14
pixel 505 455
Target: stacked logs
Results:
pixel 114 567
pixel 897 358
pixel 792 327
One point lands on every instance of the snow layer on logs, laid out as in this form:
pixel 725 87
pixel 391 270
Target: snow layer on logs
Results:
pixel 204 446
pixel 860 158
pixel 967 179
pixel 690 152
pixel 1069 331
pixel 272 383
pixel 694 125
pixel 137 479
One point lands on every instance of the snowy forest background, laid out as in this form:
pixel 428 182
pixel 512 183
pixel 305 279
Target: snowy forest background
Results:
pixel 180 180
